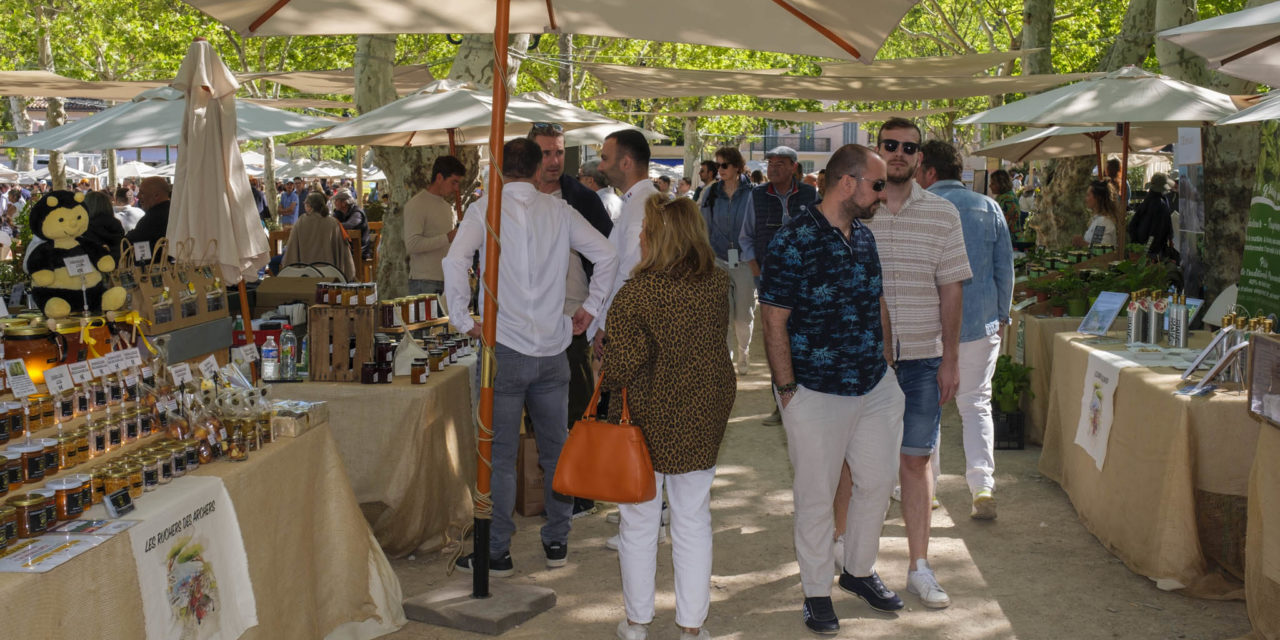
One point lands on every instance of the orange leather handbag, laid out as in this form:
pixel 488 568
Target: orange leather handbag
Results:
pixel 605 461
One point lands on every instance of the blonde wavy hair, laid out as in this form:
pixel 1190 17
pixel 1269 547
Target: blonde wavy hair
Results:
pixel 676 237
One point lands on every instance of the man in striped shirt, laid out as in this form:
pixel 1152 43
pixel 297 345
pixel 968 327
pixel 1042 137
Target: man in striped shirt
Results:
pixel 924 266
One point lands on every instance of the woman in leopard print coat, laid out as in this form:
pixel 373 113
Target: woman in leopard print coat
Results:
pixel 666 346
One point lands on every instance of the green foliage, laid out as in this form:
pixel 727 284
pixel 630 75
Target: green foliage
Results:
pixel 1008 384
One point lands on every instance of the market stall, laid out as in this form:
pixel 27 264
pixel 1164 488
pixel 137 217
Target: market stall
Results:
pixel 1030 339
pixel 1165 489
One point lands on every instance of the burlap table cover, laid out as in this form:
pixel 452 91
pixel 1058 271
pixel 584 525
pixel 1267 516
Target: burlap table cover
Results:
pixel 1262 551
pixel 1162 450
pixel 409 450
pixel 314 566
pixel 1037 341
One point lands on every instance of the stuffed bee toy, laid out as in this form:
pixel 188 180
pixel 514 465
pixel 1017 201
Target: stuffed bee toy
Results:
pixel 60 219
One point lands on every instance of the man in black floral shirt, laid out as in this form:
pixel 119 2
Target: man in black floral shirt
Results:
pixel 826 326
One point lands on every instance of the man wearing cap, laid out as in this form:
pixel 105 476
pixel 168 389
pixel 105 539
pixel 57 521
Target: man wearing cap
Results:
pixel 775 202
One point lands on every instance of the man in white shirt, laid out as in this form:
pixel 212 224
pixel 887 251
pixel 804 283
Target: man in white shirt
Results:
pixel 624 158
pixel 595 179
pixel 126 213
pixel 538 231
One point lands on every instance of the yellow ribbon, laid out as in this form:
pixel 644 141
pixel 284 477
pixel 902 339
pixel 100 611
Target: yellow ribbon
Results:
pixel 136 319
pixel 88 339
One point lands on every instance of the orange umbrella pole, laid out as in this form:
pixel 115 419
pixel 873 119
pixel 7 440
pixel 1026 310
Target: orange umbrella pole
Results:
pixel 453 151
pixel 248 322
pixel 488 362
pixel 1124 191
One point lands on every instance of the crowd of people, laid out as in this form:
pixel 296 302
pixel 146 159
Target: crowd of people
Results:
pixel 884 290
pixel 135 211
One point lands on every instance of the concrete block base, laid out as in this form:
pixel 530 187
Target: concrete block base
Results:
pixel 507 606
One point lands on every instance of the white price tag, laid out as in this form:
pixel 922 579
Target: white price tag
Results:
pixel 100 366
pixel 168 404
pixel 146 372
pixel 19 381
pixel 116 360
pixel 130 380
pixel 80 372
pixel 248 352
pixel 133 357
pixel 181 373
pixel 59 379
pixel 142 251
pixel 209 368
pixel 78 265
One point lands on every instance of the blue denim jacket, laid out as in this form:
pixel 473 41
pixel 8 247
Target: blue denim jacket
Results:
pixel 989 293
pixel 725 216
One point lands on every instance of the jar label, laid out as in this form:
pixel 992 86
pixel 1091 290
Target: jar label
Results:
pixel 422 377
pixel 150 477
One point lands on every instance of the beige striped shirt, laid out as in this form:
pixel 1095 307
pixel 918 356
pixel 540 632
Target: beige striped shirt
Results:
pixel 921 248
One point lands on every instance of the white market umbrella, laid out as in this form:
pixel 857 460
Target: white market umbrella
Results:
pixel 1268 108
pixel 1063 142
pixel 9 175
pixel 166 171
pixel 444 106
pixel 72 173
pixel 1244 44
pixel 255 159
pixel 131 169
pixel 587 135
pixel 308 168
pixel 154 119
pixel 211 197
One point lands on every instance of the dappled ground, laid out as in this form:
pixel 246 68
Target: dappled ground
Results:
pixel 1033 573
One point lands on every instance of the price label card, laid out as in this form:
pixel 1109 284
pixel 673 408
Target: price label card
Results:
pixel 130 380
pixel 146 372
pixel 248 352
pixel 168 404
pixel 78 265
pixel 116 360
pixel 132 357
pixel 142 251
pixel 19 381
pixel 209 368
pixel 100 366
pixel 181 373
pixel 59 379
pixel 80 372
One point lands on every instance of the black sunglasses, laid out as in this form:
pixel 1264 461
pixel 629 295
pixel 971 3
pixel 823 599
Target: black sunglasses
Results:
pixel 877 185
pixel 547 126
pixel 725 165
pixel 908 148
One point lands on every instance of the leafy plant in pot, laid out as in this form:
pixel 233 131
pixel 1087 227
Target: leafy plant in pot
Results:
pixel 1010 381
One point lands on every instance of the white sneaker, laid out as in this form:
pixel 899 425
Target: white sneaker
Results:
pixel 612 543
pixel 896 496
pixel 922 582
pixel 702 634
pixel 839 553
pixel 628 631
pixel 614 517
pixel 984 506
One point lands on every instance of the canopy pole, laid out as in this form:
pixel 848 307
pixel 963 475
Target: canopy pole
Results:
pixel 1097 150
pixel 453 151
pixel 488 364
pixel 248 323
pixel 1124 191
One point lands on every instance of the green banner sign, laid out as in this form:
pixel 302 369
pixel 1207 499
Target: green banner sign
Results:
pixel 1260 270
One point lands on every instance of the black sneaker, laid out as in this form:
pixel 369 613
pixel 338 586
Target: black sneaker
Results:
pixel 820 616
pixel 582 508
pixel 872 590
pixel 501 567
pixel 557 553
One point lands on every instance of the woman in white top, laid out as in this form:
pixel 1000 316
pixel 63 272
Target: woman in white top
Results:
pixel 1101 201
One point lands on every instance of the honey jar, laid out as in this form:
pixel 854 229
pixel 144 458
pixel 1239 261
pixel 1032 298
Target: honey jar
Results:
pixel 4 423
pixel 115 389
pixel 163 460
pixel 41 410
pixel 67 496
pixel 17 419
pixel 50 454
pixel 117 478
pixel 266 430
pixel 150 473
pixel 86 488
pixel 368 293
pixel 409 310
pixel 68 452
pixel 322 293
pixel 387 316
pixel 421 303
pixel 136 485
pixel 32 461
pixel 99 484
pixel 8 524
pixel 131 429
pixel 197 453
pixel 82 444
pixel 50 508
pixel 115 433
pixel 11 463
pixel 418 373
pixel 237 445
pixel 179 459
pixel 146 422
pixel 451 347
pixel 30 514
pixel 352 295
pixel 96 431
pixel 66 406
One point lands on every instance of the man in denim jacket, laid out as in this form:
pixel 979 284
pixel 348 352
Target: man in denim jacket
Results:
pixel 987 296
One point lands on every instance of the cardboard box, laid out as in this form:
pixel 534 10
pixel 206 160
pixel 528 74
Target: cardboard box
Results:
pixel 273 292
pixel 529 491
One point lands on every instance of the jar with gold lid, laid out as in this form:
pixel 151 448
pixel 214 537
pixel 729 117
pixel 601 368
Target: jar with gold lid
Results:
pixel 136 483
pixel 68 452
pixel 50 508
pixel 131 430
pixel 50 454
pixel 150 473
pixel 115 432
pixel 17 419
pixel 418 372
pixel 116 478
pixel 146 422
pixel 237 445
pixel 86 488
pixel 8 523
pixel 266 429
pixel 99 483
pixel 163 459
pixel 11 463
pixel 65 404
pixel 32 461
pixel 368 293
pixel 436 358
pixel 115 389
pixel 67 497
pixel 29 511
pixel 96 431
pixel 179 459
pixel 41 410
pixel 82 444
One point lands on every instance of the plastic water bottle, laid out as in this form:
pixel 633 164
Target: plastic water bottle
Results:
pixel 288 354
pixel 270 359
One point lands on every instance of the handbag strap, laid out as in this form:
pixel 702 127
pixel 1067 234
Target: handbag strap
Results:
pixel 595 400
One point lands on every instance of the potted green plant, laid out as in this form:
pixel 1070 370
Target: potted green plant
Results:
pixel 1008 384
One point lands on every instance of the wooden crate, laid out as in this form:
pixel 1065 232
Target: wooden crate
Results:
pixel 331 330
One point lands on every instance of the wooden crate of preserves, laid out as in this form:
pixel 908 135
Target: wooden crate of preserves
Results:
pixel 340 340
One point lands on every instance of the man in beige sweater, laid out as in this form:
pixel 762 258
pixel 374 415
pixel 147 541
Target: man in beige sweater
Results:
pixel 429 226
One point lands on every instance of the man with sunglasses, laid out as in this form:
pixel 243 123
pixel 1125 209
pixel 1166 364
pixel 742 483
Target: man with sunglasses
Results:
pixel 827 331
pixel 552 180
pixel 779 200
pixel 987 297
pixel 923 259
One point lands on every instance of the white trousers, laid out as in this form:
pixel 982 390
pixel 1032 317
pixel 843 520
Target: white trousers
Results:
pixel 689 496
pixel 973 400
pixel 823 432
pixel 742 311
